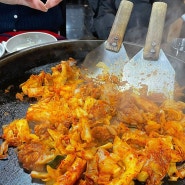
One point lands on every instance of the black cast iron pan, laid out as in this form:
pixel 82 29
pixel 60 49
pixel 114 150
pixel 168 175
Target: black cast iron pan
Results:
pixel 17 67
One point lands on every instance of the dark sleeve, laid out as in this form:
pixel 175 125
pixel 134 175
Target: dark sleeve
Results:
pixel 106 7
pixel 104 18
pixel 93 4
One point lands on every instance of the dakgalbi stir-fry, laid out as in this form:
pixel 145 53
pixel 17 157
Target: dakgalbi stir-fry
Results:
pixel 85 131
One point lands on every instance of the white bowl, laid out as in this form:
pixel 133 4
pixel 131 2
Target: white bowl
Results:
pixel 28 39
pixel 2 50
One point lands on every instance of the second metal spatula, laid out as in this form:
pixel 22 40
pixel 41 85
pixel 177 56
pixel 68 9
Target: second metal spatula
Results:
pixel 111 53
pixel 150 67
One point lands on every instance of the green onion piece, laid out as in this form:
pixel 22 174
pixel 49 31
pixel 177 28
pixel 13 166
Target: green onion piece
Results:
pixel 56 161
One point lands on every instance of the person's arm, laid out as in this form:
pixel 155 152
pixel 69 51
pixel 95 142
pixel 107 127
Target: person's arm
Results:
pixel 106 7
pixel 103 18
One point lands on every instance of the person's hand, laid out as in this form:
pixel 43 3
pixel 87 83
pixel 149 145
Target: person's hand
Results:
pixel 52 3
pixel 36 4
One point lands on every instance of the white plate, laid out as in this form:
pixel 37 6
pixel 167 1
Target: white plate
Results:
pixel 2 50
pixel 28 39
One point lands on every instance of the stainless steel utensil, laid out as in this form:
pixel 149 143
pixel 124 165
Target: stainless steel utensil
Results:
pixel 150 67
pixel 111 53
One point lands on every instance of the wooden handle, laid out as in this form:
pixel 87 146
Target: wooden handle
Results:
pixel 119 26
pixel 155 31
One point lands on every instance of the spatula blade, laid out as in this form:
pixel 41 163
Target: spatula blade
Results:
pixel 111 53
pixel 113 61
pixel 158 76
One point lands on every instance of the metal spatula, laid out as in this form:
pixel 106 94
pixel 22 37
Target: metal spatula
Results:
pixel 111 53
pixel 150 67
